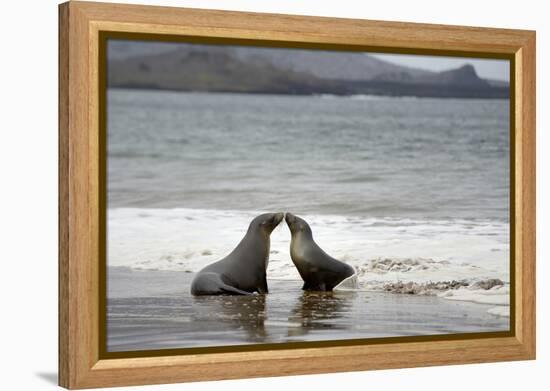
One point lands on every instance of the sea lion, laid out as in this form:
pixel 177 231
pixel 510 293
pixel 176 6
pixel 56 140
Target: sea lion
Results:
pixel 319 270
pixel 243 271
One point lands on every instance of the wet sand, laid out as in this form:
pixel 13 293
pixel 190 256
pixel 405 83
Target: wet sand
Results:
pixel 154 310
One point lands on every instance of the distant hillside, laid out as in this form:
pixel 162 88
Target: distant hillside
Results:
pixel 197 70
pixel 283 71
pixel 463 76
pixel 327 64
pixel 319 63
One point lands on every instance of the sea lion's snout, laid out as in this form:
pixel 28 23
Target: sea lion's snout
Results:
pixel 289 218
pixel 291 221
pixel 278 218
pixel 271 221
pixel 296 224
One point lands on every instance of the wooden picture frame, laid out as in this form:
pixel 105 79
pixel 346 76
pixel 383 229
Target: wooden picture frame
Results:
pixel 82 363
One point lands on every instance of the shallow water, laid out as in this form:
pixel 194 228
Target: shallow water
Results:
pixel 154 310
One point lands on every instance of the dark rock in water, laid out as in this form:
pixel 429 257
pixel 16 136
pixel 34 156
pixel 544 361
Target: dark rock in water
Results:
pixel 488 284
pixel 428 288
pixel 432 288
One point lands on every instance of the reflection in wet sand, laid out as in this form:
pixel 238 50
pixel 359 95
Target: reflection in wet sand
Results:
pixel 233 314
pixel 154 310
pixel 319 310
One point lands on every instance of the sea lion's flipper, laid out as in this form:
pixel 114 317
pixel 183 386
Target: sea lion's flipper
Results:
pixel 227 287
pixel 212 284
pixel 263 286
pixel 234 291
pixel 316 286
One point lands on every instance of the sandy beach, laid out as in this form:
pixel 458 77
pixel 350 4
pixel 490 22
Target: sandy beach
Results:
pixel 154 310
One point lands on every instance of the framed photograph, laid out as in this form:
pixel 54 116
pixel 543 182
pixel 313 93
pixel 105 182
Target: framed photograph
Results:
pixel 247 195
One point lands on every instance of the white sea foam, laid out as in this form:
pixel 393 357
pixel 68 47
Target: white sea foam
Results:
pixel 349 283
pixel 497 295
pixel 366 97
pixel 381 250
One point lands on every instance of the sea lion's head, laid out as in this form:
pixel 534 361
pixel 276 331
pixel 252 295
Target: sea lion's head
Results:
pixel 297 224
pixel 266 222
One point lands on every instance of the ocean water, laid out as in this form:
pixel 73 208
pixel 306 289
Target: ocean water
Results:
pixel 353 156
pixel 403 189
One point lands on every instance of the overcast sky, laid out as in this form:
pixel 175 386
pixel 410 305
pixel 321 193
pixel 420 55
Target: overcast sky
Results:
pixel 489 69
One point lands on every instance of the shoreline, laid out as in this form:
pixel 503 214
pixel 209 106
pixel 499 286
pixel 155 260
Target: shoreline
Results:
pixel 492 292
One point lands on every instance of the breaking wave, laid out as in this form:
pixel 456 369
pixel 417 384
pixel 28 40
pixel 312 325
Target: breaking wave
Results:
pixel 456 259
